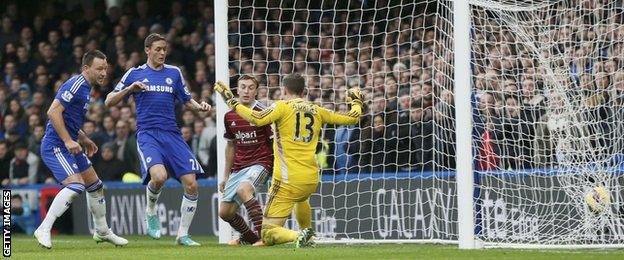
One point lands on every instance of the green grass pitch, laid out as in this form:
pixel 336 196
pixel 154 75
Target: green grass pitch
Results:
pixel 141 247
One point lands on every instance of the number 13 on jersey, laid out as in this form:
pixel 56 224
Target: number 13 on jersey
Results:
pixel 308 126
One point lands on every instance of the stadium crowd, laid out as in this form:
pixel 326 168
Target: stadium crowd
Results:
pixel 397 55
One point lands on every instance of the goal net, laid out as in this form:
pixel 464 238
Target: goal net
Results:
pixel 548 120
pixel 546 97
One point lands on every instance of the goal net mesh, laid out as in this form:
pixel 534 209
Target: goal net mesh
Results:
pixel 548 119
pixel 547 84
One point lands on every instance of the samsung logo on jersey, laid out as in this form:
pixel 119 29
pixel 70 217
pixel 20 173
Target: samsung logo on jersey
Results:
pixel 159 88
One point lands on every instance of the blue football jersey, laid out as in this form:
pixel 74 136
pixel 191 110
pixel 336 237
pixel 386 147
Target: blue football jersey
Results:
pixel 74 95
pixel 155 107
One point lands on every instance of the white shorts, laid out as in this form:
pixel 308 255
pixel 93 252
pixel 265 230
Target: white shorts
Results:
pixel 256 175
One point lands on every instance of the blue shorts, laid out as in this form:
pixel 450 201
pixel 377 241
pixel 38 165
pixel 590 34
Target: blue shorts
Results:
pixel 256 175
pixel 61 162
pixel 166 148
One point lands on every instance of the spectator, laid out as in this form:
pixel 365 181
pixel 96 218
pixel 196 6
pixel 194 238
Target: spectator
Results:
pixel 34 140
pixel 421 140
pixel 13 131
pixel 107 132
pixel 212 158
pixel 109 168
pixel 444 136
pixel 50 60
pixel 198 129
pixel 205 140
pixel 342 135
pixel 4 108
pixel 7 34
pixel 516 146
pixel 21 216
pixel 126 146
pixel 187 135
pixel 5 164
pixel 25 64
pixel 377 149
pixel 394 70
pixel 23 169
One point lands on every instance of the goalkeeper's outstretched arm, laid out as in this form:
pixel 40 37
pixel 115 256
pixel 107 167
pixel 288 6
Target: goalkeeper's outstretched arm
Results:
pixel 350 118
pixel 353 97
pixel 258 118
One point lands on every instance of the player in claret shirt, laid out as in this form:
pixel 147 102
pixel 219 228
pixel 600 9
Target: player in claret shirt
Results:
pixel 155 87
pixel 298 126
pixel 248 163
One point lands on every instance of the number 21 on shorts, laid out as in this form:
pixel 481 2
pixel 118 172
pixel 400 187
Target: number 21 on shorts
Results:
pixel 194 165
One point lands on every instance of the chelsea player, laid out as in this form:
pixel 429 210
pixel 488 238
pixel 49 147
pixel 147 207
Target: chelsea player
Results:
pixel 61 151
pixel 155 87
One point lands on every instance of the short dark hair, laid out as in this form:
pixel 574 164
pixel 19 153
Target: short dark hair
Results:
pixel 249 77
pixel 295 83
pixel 87 58
pixel 20 146
pixel 152 38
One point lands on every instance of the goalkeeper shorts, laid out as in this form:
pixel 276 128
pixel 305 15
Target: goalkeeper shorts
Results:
pixel 283 196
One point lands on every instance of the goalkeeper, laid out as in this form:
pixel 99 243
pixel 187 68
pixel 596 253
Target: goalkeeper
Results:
pixel 295 171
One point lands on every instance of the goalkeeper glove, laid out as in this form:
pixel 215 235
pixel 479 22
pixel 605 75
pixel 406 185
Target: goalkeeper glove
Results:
pixel 354 96
pixel 226 94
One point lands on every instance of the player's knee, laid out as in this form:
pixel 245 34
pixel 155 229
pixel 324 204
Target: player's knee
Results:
pixel 191 188
pixel 158 178
pixel 77 187
pixel 226 215
pixel 245 191
pixel 95 186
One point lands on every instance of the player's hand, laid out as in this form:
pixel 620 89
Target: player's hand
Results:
pixel 354 96
pixel 90 146
pixel 73 147
pixel 226 94
pixel 222 186
pixel 137 86
pixel 203 106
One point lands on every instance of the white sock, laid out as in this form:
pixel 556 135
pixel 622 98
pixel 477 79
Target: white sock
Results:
pixel 61 203
pixel 97 205
pixel 152 199
pixel 188 208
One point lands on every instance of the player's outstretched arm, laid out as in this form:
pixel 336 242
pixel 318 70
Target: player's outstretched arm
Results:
pixel 55 114
pixel 203 106
pixel 354 97
pixel 115 97
pixel 258 118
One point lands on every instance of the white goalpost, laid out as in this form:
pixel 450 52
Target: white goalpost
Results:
pixel 225 231
pixel 488 123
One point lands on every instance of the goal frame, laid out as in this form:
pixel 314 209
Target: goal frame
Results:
pixel 465 175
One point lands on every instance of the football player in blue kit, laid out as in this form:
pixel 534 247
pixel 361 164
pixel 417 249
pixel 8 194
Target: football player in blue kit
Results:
pixel 62 151
pixel 155 87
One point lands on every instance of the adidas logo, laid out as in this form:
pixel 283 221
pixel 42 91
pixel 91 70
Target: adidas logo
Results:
pixel 145 80
pixel 233 123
